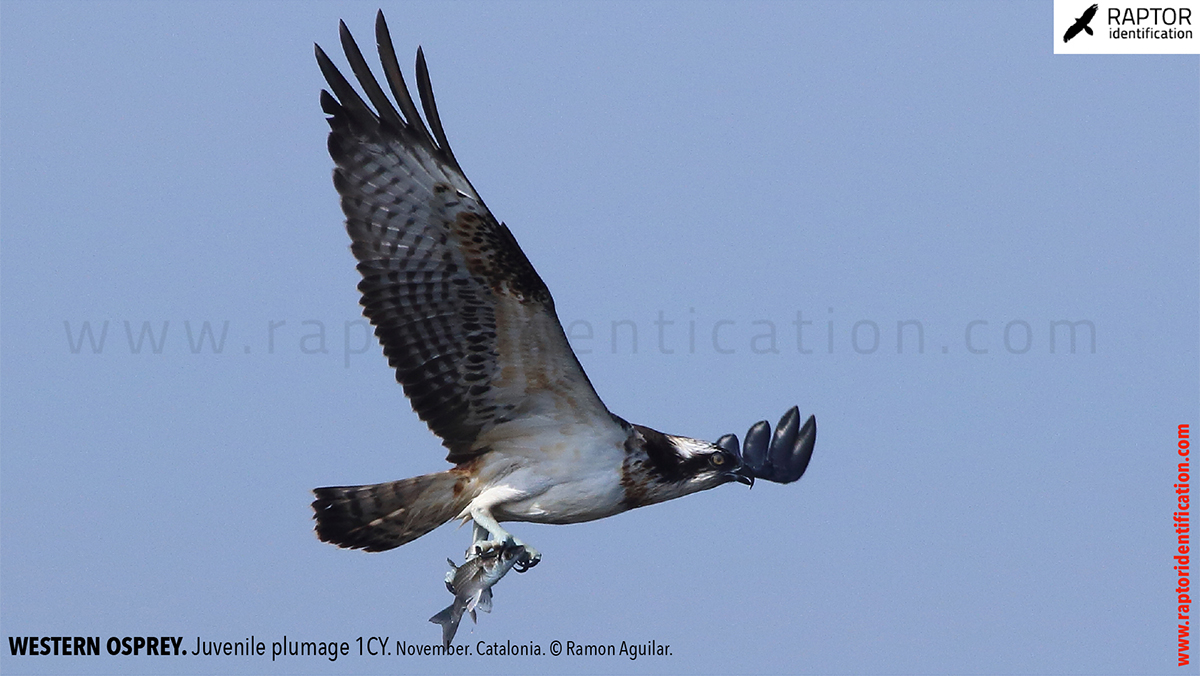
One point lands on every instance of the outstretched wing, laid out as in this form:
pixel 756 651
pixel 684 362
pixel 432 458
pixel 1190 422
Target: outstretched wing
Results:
pixel 781 457
pixel 463 317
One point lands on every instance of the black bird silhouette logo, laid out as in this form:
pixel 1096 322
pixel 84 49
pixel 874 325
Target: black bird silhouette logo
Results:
pixel 1081 24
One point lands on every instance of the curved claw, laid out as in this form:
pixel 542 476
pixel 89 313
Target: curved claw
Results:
pixel 529 558
pixel 490 547
pixel 729 442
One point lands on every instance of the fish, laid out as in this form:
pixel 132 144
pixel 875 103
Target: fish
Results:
pixel 471 583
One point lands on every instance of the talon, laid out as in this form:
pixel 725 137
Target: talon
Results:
pixel 492 540
pixel 528 560
pixel 490 547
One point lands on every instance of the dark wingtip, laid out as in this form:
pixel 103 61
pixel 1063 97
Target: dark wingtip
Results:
pixel 755 447
pixel 781 457
pixel 322 57
pixel 785 431
pixel 329 104
pixel 805 442
pixel 429 104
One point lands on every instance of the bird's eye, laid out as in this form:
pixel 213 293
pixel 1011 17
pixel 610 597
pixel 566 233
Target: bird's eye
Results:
pixel 717 459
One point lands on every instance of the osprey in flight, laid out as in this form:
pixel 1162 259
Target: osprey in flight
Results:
pixel 471 330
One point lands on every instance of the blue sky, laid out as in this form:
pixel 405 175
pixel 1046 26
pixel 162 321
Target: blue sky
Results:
pixel 742 167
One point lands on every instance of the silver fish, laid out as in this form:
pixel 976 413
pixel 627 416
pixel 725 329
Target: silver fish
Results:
pixel 471 584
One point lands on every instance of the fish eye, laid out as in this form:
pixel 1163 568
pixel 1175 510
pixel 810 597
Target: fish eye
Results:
pixel 717 459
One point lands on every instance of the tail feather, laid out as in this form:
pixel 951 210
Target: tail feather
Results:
pixel 379 517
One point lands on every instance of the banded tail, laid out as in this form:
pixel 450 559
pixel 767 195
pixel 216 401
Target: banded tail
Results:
pixel 384 516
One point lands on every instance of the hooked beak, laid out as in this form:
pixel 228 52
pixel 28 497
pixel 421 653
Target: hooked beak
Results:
pixel 742 475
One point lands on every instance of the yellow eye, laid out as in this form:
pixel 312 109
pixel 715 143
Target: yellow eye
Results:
pixel 718 459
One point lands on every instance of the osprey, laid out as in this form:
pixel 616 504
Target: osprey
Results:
pixel 472 332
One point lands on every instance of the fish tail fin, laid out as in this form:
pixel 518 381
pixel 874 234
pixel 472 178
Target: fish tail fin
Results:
pixel 449 624
pixel 384 516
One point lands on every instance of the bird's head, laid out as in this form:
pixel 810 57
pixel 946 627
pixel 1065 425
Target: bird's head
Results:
pixel 665 466
pixel 707 465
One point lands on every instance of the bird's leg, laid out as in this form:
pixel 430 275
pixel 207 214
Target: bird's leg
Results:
pixel 481 536
pixel 488 535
